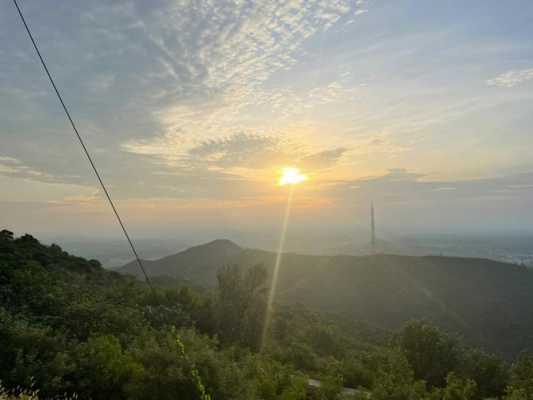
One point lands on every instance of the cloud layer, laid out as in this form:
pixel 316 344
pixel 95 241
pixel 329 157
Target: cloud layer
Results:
pixel 186 104
pixel 511 78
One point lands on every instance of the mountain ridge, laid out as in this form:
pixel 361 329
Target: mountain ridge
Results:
pixel 385 290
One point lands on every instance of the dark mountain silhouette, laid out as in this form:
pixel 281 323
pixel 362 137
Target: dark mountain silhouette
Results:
pixel 483 300
pixel 196 264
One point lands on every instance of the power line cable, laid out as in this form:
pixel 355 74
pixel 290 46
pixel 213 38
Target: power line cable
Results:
pixel 85 150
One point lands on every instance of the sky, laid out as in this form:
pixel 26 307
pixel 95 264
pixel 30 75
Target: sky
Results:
pixel 192 108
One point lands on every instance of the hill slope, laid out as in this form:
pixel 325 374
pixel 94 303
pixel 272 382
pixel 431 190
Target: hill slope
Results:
pixel 482 300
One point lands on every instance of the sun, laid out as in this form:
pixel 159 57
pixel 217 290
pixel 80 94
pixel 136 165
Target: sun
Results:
pixel 291 176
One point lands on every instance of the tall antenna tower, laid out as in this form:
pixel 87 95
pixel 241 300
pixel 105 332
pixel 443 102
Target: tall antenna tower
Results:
pixel 372 227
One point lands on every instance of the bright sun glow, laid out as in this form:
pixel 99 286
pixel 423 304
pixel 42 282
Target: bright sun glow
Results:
pixel 291 176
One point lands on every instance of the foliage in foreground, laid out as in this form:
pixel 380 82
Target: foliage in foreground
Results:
pixel 68 327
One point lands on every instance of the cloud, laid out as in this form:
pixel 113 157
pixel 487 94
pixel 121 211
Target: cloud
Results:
pixel 101 83
pixel 403 186
pixel 12 167
pixel 218 62
pixel 240 150
pixel 174 93
pixel 234 145
pixel 322 159
pixel 199 91
pixel 253 152
pixel 511 78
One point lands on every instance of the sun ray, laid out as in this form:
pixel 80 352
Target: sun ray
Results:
pixel 275 272
pixel 290 176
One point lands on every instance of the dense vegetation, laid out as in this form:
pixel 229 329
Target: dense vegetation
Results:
pixel 70 328
pixel 386 291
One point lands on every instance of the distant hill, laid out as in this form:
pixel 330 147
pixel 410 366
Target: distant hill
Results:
pixel 483 300
pixel 197 264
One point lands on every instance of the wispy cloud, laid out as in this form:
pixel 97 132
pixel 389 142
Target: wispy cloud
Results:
pixel 101 83
pixel 240 150
pixel 232 52
pixel 511 78
pixel 403 186
pixel 241 154
pixel 323 159
pixel 12 167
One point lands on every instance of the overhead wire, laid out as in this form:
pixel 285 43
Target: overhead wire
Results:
pixel 84 147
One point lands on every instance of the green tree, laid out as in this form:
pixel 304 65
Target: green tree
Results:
pixel 458 388
pixel 32 356
pixel 488 371
pixel 356 372
pixel 431 353
pixel 277 381
pixel 6 236
pixel 394 378
pixel 521 380
pixel 102 368
pixel 241 304
pixel 331 386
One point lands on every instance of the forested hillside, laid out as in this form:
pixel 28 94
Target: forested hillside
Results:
pixel 70 328
pixel 483 300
